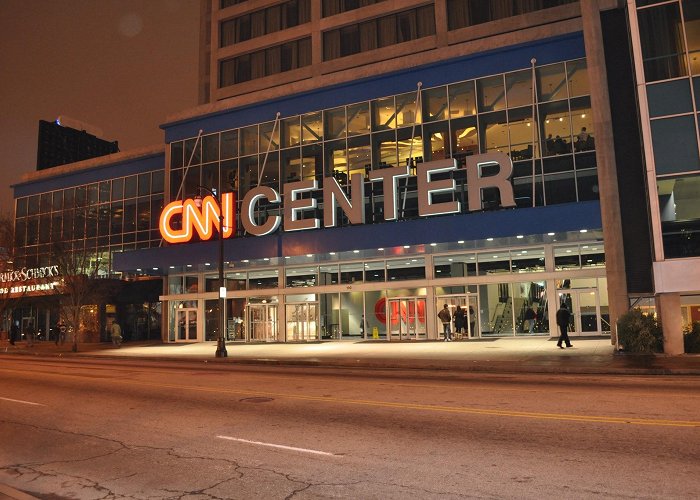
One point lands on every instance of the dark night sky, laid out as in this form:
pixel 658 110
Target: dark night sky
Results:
pixel 119 65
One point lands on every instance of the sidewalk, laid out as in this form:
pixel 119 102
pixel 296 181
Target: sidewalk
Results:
pixel 519 355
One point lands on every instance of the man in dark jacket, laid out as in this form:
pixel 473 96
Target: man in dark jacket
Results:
pixel 563 317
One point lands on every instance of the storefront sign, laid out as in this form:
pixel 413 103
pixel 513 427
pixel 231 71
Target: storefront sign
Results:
pixel 298 199
pixel 9 280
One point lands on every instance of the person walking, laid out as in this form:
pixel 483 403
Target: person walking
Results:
pixel 61 335
pixel 563 317
pixel 459 321
pixel 29 333
pixel 530 319
pixel 446 318
pixel 116 334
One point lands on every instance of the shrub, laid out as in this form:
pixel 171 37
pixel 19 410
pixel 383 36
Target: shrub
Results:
pixel 691 338
pixel 640 333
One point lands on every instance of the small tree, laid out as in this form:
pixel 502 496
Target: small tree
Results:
pixel 639 332
pixel 8 300
pixel 80 285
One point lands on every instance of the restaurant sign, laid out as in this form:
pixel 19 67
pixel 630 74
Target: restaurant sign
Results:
pixel 25 279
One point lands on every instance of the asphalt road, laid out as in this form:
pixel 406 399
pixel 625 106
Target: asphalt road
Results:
pixel 135 429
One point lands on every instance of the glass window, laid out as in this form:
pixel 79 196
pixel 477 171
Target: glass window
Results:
pixel 527 260
pixel 493 263
pixel 359 155
pixel 560 188
pixel 157 182
pixel 691 15
pixel 269 137
pixel 494 316
pixel 351 273
pixel 494 132
pixel 522 134
pixel 235 281
pixel 407 113
pixel 465 137
pixel 455 266
pixel 384 149
pixel 358 119
pixel 291 131
pixel 383 114
pixel 578 78
pixel 557 129
pixel 492 95
pixel 435 104
pixel 334 123
pixel 263 279
pixel 374 271
pixel 566 257
pixel 229 144
pixel 675 145
pixel 552 82
pixel 680 215
pixel 519 88
pixel 21 209
pixel 406 269
pixel 593 255
pixel 669 98
pixel 462 99
pixel 301 277
pixel 328 274
pixel 661 37
pixel 193 151
pixel 33 205
pixel 311 128
pixel 249 140
pixel 210 148
pixel 176 154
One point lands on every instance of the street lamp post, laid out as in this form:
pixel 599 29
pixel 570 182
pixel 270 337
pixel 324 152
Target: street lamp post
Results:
pixel 221 339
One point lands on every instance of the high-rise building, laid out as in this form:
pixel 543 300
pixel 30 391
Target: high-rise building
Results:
pixel 371 161
pixel 60 144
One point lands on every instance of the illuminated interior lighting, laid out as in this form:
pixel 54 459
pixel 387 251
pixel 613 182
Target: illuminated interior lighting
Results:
pixel 433 244
pixel 207 264
pixel 407 246
pixel 520 236
pixel 355 251
pixel 245 260
pixel 331 253
pixel 550 234
pixel 380 249
pixel 266 259
pixel 461 242
pixel 583 231
pixel 489 239
pixel 309 255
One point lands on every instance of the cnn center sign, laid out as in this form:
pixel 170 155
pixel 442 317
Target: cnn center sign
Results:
pixel 298 200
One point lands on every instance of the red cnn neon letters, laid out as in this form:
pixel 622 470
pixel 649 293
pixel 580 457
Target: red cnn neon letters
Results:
pixel 202 220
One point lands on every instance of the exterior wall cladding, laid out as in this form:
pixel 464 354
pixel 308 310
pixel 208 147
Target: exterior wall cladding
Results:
pixel 561 240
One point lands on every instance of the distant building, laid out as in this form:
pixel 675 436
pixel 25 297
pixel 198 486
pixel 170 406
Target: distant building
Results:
pixel 60 145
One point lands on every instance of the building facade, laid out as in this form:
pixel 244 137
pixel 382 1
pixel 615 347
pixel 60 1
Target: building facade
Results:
pixel 373 161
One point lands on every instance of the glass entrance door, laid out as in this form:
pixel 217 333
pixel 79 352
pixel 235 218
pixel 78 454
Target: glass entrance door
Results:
pixel 585 311
pixel 302 322
pixel 186 325
pixel 262 322
pixel 469 327
pixel 407 318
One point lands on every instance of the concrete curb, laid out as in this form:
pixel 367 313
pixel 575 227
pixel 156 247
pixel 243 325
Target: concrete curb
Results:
pixel 7 492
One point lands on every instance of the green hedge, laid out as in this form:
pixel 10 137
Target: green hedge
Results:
pixel 691 338
pixel 639 333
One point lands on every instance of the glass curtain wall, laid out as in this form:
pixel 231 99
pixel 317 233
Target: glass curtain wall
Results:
pixel 552 148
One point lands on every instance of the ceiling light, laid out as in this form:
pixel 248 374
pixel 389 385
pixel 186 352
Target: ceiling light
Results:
pixel 433 244
pixel 355 251
pixel 583 231
pixel 244 260
pixel 407 246
pixel 460 242
pixel 489 239
pixel 520 236
pixel 550 234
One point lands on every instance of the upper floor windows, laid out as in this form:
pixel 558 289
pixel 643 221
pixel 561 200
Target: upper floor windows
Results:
pixel 265 21
pixel 380 32
pixel 333 7
pixel 266 62
pixel 463 13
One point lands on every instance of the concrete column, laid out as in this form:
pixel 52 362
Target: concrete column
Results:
pixel 607 168
pixel 668 306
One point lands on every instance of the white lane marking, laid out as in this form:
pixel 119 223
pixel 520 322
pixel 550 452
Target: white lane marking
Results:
pixel 292 448
pixel 23 402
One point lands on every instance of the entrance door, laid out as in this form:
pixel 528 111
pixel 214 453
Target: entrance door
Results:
pixel 585 311
pixel 302 322
pixel 407 318
pixel 186 325
pixel 262 322
pixel 468 303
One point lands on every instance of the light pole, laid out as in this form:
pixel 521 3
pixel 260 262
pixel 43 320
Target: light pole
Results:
pixel 221 339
